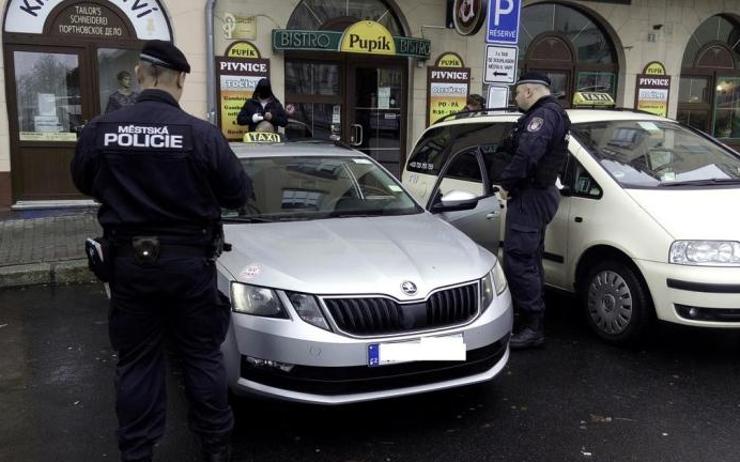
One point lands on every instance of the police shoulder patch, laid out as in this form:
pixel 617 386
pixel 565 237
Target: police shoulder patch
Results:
pixel 535 124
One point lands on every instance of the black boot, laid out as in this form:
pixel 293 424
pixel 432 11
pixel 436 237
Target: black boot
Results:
pixel 216 448
pixel 532 333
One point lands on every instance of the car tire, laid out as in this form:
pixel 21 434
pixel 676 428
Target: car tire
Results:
pixel 616 302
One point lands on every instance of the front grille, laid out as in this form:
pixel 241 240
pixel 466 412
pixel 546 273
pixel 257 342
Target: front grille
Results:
pixel 378 315
pixel 363 379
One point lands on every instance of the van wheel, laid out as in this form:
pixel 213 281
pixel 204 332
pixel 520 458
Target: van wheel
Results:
pixel 617 304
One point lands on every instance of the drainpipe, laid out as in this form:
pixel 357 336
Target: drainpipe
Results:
pixel 210 64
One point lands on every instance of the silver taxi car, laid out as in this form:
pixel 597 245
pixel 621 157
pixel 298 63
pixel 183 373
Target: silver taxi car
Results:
pixel 344 289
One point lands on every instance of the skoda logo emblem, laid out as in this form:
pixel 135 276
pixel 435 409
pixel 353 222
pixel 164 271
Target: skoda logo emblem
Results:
pixel 408 287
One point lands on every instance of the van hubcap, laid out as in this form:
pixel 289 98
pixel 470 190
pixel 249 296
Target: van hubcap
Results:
pixel 609 302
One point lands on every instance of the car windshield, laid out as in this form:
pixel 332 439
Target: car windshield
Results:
pixel 657 154
pixel 312 187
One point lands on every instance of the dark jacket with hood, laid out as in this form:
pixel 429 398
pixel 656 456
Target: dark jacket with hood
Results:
pixel 253 106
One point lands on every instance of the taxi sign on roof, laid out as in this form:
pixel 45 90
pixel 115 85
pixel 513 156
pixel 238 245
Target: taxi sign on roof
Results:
pixel 592 98
pixel 262 137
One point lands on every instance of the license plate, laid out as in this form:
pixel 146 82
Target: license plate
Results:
pixel 447 348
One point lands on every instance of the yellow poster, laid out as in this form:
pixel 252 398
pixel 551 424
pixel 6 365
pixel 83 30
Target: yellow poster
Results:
pixel 446 98
pixel 235 91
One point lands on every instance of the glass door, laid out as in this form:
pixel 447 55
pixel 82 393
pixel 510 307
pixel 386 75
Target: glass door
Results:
pixel 51 100
pixel 376 111
pixel 560 85
pixel 313 99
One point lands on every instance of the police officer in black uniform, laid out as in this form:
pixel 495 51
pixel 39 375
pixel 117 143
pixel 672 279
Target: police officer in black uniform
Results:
pixel 538 147
pixel 162 176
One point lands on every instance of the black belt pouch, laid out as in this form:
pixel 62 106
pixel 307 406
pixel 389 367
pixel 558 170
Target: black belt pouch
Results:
pixel 99 257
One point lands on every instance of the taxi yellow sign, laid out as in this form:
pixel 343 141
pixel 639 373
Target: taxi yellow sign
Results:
pixel 368 37
pixel 592 99
pixel 262 137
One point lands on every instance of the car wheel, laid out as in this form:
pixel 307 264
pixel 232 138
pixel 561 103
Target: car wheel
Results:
pixel 617 303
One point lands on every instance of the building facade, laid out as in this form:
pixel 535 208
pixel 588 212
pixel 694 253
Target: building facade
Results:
pixel 372 73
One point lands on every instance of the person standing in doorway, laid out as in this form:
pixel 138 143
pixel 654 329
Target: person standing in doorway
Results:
pixel 162 177
pixel 263 105
pixel 538 147
pixel 124 96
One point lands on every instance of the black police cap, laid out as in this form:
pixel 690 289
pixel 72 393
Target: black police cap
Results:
pixel 164 54
pixel 535 78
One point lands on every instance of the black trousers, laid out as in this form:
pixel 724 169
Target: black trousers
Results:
pixel 527 214
pixel 175 296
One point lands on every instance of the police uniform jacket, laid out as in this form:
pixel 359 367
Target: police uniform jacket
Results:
pixel 538 146
pixel 154 167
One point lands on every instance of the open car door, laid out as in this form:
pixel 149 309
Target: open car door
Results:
pixel 464 197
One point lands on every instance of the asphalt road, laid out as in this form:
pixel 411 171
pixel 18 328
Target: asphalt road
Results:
pixel 677 398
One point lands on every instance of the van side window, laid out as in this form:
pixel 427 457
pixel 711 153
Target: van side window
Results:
pixel 583 184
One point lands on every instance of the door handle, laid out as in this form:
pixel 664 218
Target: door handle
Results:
pixel 357 135
pixel 492 215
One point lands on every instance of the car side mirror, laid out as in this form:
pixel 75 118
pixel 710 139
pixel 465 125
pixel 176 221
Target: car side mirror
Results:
pixel 566 191
pixel 455 200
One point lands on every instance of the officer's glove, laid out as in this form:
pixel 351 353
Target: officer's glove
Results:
pixel 257 118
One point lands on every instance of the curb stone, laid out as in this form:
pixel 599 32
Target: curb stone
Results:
pixel 56 273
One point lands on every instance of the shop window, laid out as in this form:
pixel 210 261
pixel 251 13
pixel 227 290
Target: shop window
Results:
pixel 337 14
pixel 117 78
pixel 709 91
pixel 48 96
pixel 570 47
pixel 306 78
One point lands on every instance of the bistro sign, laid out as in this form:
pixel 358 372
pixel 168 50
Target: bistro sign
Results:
pixel 366 37
pixel 147 17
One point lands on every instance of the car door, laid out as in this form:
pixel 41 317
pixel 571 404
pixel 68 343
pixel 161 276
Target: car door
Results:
pixel 465 171
pixel 555 261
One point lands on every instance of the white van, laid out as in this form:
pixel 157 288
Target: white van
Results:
pixel 648 223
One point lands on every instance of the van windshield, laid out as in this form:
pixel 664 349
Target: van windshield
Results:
pixel 639 153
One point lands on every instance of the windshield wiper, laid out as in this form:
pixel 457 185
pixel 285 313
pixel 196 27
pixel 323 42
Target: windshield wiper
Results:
pixel 370 213
pixel 704 182
pixel 246 219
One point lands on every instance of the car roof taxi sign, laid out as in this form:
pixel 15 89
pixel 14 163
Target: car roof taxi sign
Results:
pixel 262 137
pixel 592 99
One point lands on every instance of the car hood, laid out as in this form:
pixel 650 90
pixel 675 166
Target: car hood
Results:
pixel 693 213
pixel 355 255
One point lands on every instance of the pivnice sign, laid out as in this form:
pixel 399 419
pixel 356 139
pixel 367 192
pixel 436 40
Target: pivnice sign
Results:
pixel 367 37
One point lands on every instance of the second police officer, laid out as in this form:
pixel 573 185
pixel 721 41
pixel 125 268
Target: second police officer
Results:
pixel 161 177
pixel 538 148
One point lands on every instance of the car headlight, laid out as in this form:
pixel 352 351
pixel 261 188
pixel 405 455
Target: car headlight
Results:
pixel 708 253
pixel 492 284
pixel 499 278
pixel 308 309
pixel 257 301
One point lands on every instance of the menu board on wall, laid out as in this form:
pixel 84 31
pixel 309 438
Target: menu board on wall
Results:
pixel 653 90
pixel 237 79
pixel 447 91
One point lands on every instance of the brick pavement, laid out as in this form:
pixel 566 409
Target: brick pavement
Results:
pixel 45 249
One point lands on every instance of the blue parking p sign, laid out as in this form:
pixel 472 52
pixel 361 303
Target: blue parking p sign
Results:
pixel 503 21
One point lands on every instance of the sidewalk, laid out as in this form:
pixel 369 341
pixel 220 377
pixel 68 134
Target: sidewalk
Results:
pixel 45 247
